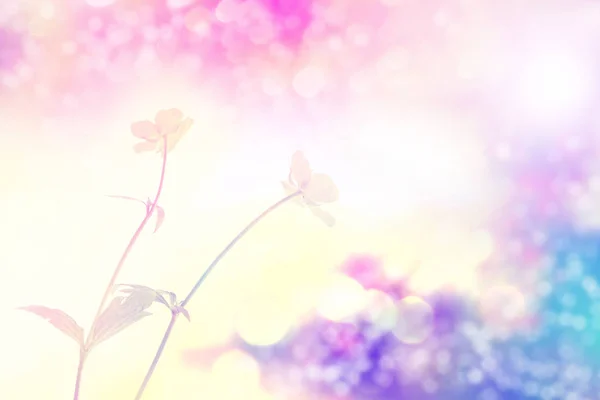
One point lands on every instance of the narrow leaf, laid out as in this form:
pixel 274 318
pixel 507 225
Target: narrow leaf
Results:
pixel 61 321
pixel 172 297
pixel 186 313
pixel 160 217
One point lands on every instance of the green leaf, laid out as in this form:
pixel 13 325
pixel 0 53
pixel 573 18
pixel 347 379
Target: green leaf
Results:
pixel 170 295
pixel 160 296
pixel 168 299
pixel 179 309
pixel 121 313
pixel 61 321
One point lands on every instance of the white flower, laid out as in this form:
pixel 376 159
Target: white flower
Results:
pixel 316 188
pixel 169 124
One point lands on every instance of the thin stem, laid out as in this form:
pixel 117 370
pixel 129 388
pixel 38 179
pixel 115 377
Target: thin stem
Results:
pixel 199 283
pixel 132 242
pixel 233 242
pixel 82 355
pixel 157 356
pixel 119 267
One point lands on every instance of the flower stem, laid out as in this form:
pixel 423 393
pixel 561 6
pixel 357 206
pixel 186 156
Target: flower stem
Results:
pixel 118 269
pixel 233 242
pixel 157 356
pixel 82 355
pixel 199 283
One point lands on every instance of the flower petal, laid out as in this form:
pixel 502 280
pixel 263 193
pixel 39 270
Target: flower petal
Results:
pixel 175 137
pixel 145 130
pixel 300 169
pixel 323 215
pixel 321 189
pixel 144 146
pixel 167 121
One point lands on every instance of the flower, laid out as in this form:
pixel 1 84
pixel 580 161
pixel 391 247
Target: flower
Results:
pixel 316 188
pixel 167 123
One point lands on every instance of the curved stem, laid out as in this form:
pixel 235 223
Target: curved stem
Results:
pixel 119 267
pixel 199 283
pixel 233 242
pixel 157 356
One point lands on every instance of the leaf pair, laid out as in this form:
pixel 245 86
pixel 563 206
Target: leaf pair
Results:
pixel 120 314
pixel 125 309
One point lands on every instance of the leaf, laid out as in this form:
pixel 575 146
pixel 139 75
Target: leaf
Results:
pixel 169 299
pixel 61 321
pixel 120 314
pixel 146 293
pixel 321 189
pixel 160 217
pixel 172 296
pixel 182 310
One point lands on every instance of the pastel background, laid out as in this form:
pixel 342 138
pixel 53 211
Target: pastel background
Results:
pixel 464 137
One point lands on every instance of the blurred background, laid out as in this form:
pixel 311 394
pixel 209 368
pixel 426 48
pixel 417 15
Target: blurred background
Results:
pixel 463 136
